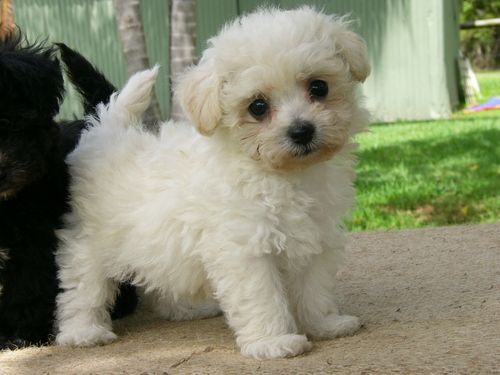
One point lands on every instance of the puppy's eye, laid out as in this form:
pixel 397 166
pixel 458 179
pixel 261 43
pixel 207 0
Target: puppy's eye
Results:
pixel 318 89
pixel 258 108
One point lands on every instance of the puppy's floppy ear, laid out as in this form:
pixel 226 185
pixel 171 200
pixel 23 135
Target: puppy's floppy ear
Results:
pixel 198 91
pixel 352 48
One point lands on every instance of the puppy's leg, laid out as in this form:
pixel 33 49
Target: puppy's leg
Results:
pixel 125 302
pixel 312 292
pixel 132 101
pixel 28 297
pixel 254 301
pixel 82 308
pixel 82 314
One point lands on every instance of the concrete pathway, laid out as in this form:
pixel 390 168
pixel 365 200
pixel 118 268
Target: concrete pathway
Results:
pixel 429 300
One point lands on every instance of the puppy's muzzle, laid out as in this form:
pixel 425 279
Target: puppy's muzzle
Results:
pixel 302 135
pixel 3 175
pixel 301 132
pixel 4 183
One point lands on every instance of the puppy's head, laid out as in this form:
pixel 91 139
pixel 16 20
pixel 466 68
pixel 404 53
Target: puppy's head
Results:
pixel 31 88
pixel 281 85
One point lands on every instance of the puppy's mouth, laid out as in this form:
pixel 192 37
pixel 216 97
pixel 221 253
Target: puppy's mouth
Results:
pixel 10 185
pixel 301 151
pixel 7 188
pixel 304 152
pixel 6 194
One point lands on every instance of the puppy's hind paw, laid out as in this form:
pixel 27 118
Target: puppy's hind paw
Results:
pixel 180 313
pixel 289 345
pixel 334 325
pixel 90 336
pixel 12 343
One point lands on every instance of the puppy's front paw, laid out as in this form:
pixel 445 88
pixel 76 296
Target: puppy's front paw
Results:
pixel 277 347
pixel 13 343
pixel 335 325
pixel 87 336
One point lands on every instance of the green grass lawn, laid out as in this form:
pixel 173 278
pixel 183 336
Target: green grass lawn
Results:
pixel 417 174
pixel 489 83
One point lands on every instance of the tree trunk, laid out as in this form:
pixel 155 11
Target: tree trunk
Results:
pixel 182 44
pixel 7 24
pixel 134 49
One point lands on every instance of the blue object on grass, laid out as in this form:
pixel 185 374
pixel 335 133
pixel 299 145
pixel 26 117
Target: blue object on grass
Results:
pixel 492 103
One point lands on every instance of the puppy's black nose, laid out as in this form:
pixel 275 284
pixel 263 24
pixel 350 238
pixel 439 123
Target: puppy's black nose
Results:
pixel 301 132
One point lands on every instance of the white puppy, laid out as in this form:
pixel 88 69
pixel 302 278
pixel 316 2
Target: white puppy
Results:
pixel 249 213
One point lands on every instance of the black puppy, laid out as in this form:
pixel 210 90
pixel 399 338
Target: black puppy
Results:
pixel 34 189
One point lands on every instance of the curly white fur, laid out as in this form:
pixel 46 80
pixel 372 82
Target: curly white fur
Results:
pixel 240 217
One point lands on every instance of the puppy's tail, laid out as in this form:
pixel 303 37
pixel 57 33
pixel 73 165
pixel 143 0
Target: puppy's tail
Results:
pixel 128 106
pixel 90 82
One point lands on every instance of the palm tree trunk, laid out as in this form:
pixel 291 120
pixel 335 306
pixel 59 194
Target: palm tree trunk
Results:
pixel 7 24
pixel 134 49
pixel 182 43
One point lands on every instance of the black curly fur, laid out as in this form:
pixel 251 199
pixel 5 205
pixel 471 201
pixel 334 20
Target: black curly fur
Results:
pixel 33 191
pixel 90 83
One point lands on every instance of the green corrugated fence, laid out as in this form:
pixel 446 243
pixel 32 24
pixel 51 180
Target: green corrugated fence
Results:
pixel 413 44
pixel 90 27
